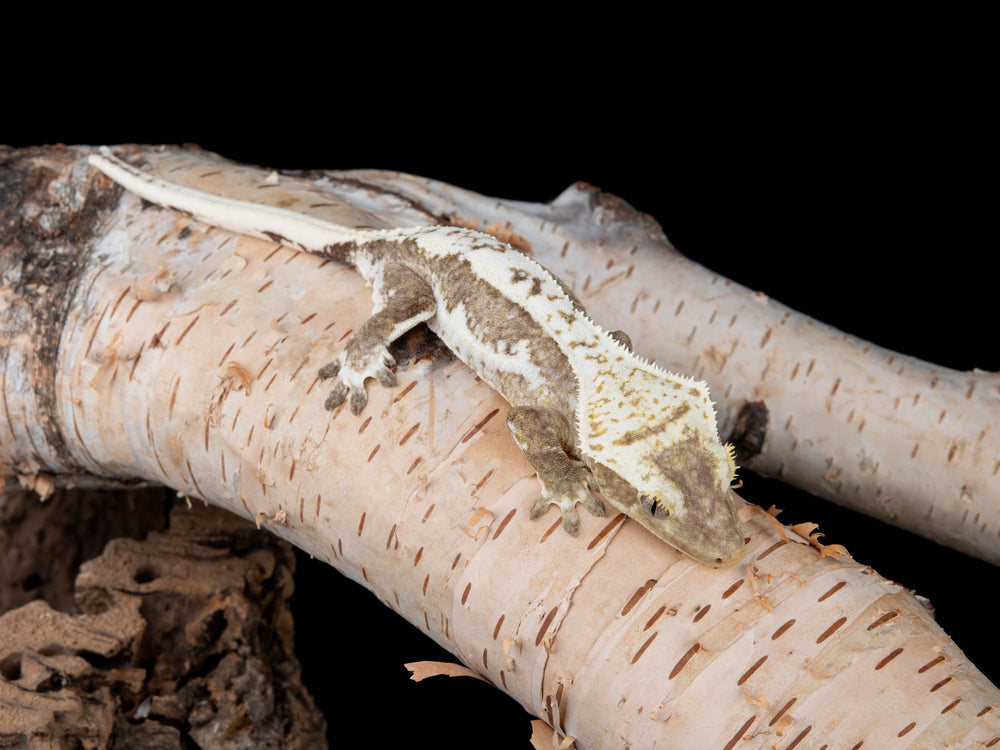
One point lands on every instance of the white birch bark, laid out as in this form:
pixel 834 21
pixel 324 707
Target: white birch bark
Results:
pixel 905 441
pixel 189 356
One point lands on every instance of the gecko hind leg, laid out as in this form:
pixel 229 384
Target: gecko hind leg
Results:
pixel 402 300
pixel 545 439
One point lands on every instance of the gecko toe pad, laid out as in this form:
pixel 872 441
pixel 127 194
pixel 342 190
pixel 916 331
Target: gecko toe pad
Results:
pixel 567 504
pixel 354 366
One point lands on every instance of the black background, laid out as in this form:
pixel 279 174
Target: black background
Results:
pixel 845 175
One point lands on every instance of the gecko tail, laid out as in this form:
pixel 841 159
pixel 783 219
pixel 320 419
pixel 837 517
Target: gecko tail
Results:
pixel 307 233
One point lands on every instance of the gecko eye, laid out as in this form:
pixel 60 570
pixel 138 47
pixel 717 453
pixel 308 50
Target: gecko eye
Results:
pixel 654 507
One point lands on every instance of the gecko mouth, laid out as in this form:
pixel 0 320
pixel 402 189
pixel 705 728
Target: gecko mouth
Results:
pixel 717 541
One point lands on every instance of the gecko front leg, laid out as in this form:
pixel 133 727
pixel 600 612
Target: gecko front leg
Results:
pixel 402 300
pixel 545 438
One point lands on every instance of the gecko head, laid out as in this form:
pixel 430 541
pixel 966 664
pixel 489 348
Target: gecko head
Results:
pixel 681 494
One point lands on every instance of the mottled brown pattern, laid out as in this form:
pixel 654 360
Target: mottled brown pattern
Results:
pixel 493 319
pixel 648 431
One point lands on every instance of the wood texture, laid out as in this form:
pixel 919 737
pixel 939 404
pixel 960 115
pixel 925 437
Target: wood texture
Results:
pixel 179 362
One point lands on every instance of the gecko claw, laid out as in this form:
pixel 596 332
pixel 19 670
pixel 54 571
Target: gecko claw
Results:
pixel 539 507
pixel 570 520
pixel 353 370
pixel 358 400
pixel 330 370
pixel 337 396
pixel 595 506
pixel 386 377
pixel 570 516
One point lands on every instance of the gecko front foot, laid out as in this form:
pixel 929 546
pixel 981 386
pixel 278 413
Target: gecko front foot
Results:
pixel 581 492
pixel 544 436
pixel 354 366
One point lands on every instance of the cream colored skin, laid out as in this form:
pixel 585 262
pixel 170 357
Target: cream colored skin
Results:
pixel 594 419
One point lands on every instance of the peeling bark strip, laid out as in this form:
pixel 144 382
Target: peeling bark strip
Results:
pixel 556 620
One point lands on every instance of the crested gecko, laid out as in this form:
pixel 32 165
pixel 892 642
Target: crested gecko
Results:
pixel 592 418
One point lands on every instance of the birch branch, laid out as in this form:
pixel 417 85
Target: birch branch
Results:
pixel 187 355
pixel 908 442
